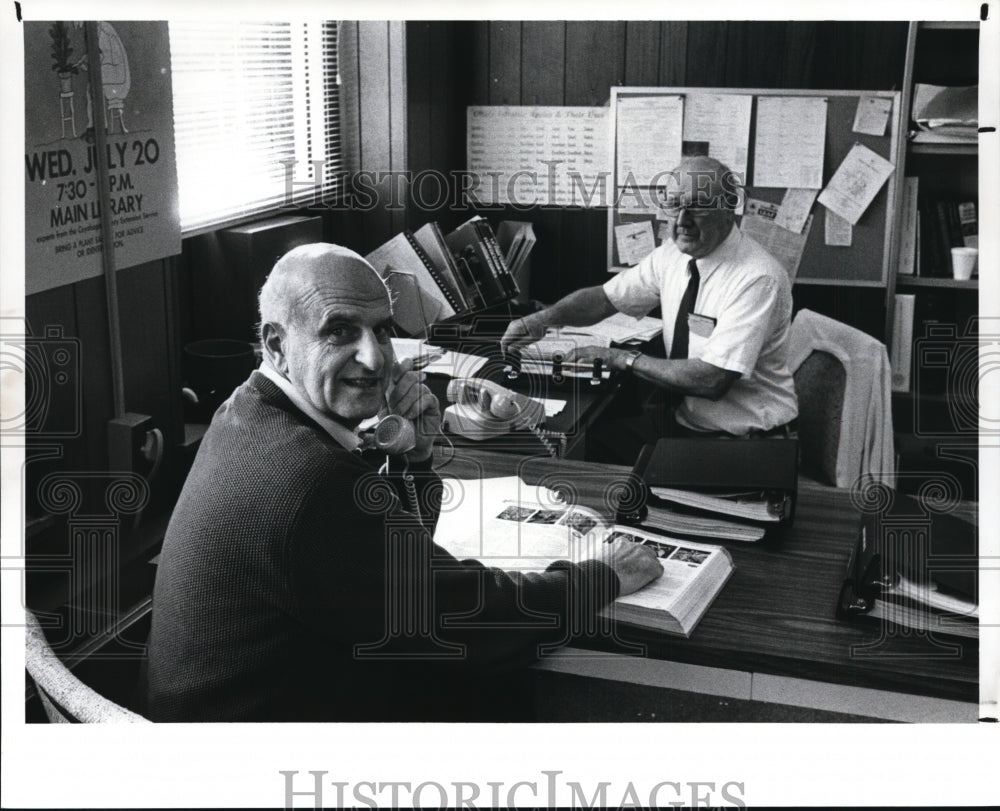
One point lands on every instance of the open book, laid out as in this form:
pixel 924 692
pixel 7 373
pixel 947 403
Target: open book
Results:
pixel 508 524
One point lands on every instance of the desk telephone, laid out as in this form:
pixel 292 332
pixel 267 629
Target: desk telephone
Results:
pixel 482 409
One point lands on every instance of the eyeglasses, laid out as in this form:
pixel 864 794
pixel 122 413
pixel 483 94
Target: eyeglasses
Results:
pixel 674 212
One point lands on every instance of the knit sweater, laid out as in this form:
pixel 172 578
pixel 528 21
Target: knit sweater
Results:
pixel 294 584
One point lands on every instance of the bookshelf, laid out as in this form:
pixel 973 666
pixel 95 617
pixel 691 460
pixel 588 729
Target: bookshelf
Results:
pixel 933 416
pixel 930 148
pixel 952 284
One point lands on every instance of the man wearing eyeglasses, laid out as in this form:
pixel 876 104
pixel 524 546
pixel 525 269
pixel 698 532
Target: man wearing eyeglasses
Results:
pixel 726 306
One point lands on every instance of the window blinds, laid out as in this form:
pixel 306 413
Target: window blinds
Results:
pixel 254 104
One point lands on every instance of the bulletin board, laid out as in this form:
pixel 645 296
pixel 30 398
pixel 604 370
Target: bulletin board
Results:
pixel 866 262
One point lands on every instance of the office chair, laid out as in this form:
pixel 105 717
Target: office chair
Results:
pixel 843 383
pixel 66 699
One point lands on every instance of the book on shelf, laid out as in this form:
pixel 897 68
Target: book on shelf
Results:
pixel 908 233
pixel 946 224
pixel 508 524
pixel 935 240
pixel 968 219
pixel 901 355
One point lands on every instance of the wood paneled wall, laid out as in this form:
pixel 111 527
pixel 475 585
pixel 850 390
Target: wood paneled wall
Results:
pixel 148 323
pixel 453 65
pixel 406 111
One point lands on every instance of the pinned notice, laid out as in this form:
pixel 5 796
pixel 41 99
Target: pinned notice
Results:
pixel 839 232
pixel 635 241
pixel 795 208
pixel 791 134
pixel 784 245
pixel 648 138
pixel 855 183
pixel 872 115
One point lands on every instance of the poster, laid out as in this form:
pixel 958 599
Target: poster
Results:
pixel 63 239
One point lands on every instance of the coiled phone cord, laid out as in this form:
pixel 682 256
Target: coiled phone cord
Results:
pixel 545 437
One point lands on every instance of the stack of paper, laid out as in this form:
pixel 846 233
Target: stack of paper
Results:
pixel 946 114
pixel 619 328
pixel 444 362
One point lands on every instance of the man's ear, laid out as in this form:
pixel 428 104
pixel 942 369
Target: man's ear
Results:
pixel 273 346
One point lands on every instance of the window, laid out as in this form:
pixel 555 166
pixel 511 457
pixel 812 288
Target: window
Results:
pixel 252 100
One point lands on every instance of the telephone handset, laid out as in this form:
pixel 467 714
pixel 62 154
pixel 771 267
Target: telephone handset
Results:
pixel 393 434
pixel 482 409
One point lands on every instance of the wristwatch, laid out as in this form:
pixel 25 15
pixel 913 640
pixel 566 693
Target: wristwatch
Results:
pixel 633 356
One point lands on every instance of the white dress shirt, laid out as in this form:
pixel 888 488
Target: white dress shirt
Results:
pixel 748 293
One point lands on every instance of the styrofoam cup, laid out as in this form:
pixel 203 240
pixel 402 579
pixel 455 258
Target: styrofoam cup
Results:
pixel 963 262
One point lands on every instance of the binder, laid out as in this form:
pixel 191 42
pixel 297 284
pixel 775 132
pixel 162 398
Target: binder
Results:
pixel 516 239
pixel 499 264
pixel 708 472
pixel 404 253
pixel 919 566
pixel 431 239
pixel 468 243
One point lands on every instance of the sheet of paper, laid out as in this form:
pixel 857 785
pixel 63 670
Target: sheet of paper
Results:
pixel 618 328
pixel 839 231
pixel 452 364
pixel 634 241
pixel 855 183
pixel 635 201
pixel 872 115
pixel 469 527
pixel 788 149
pixel 648 137
pixel 552 405
pixel 784 245
pixel 663 233
pixel 723 121
pixel 539 155
pixel 795 208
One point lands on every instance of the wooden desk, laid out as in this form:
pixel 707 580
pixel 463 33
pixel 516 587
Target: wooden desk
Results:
pixel 770 637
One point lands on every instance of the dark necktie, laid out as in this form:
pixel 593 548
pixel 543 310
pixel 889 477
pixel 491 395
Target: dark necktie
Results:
pixel 679 346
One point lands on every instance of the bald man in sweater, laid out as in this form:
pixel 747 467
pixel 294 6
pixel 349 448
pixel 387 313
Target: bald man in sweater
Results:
pixel 297 582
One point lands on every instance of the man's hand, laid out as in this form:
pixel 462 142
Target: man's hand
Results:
pixel 613 359
pixel 522 332
pixel 635 564
pixel 412 400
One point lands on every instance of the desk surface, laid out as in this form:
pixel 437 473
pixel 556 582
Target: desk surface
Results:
pixel 776 613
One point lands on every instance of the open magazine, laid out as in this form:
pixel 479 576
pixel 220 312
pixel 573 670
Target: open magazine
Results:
pixel 510 525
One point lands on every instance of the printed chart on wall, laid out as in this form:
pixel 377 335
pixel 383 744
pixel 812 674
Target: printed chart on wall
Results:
pixel 801 157
pixel 63 239
pixel 538 155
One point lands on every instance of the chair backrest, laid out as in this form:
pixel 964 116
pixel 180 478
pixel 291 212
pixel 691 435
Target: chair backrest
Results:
pixel 854 418
pixel 66 699
pixel 820 383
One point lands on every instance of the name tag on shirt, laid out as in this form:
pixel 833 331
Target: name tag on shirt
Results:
pixel 701 325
